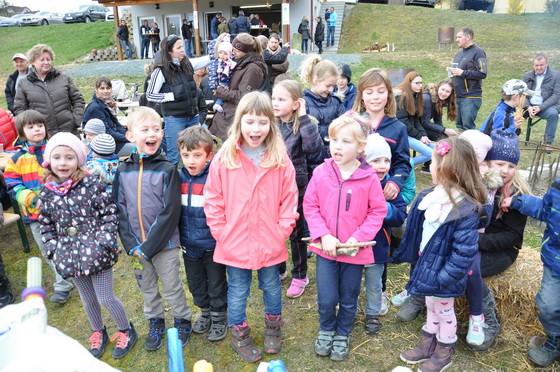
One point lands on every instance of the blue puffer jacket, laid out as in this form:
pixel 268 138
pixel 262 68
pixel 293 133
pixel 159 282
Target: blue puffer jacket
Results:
pixel 441 269
pixel 545 209
pixel 325 110
pixel 195 233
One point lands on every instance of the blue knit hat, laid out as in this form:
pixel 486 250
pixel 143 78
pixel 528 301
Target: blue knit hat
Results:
pixel 505 146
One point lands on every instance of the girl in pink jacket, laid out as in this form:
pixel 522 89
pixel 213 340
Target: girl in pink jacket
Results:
pixel 251 202
pixel 343 203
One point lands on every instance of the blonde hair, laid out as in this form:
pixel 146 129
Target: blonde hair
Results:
pixel 359 131
pixel 36 51
pixel 256 103
pixel 315 67
pixel 142 114
pixel 294 90
pixel 370 78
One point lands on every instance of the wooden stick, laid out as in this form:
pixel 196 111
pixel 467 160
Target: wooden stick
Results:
pixel 344 245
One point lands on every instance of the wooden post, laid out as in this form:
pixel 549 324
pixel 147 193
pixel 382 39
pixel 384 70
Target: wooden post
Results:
pixel 285 21
pixel 196 29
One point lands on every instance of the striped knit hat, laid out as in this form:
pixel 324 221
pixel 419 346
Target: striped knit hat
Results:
pixel 103 145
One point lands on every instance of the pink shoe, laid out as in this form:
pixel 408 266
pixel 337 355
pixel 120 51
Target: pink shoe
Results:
pixel 297 287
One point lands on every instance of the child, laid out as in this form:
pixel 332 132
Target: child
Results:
pixel 206 278
pixel 545 209
pixel 147 191
pixel 219 71
pixel 79 227
pixel 24 177
pixel 104 162
pixel 343 204
pixel 378 155
pixel 441 229
pixel 345 89
pixel 301 138
pixel 514 93
pixel 321 76
pixel 93 128
pixel 251 203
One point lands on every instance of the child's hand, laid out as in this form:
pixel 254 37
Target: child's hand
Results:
pixel 352 241
pixel 137 254
pixel 38 204
pixel 390 191
pixel 328 243
pixel 506 203
pixel 518 121
pixel 302 109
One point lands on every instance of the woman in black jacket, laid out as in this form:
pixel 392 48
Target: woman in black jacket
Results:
pixel 436 97
pixel 319 34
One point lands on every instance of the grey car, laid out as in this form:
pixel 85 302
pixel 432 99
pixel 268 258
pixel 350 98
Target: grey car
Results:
pixel 42 19
pixel 8 22
pixel 86 13
pixel 428 3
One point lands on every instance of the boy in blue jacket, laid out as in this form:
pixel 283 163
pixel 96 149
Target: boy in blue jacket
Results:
pixel 378 155
pixel 206 279
pixel 548 301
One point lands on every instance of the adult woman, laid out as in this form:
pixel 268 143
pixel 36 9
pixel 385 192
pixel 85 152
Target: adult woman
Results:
pixel 274 48
pixel 436 97
pixel 49 91
pixel 319 34
pixel 246 76
pixel 410 107
pixel 103 107
pixel 172 84
pixel 305 32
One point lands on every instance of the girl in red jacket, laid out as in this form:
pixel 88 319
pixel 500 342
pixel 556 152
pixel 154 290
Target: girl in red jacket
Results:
pixel 343 203
pixel 251 202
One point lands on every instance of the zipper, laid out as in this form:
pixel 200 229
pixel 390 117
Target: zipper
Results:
pixel 348 199
pixel 466 85
pixel 139 200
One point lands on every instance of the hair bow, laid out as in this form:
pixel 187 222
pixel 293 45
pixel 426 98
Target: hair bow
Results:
pixel 443 148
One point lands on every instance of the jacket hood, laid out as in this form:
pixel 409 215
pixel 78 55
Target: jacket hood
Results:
pixel 309 93
pixel 34 77
pixel 364 169
pixel 431 92
pixel 492 179
pixel 255 58
pixel 135 157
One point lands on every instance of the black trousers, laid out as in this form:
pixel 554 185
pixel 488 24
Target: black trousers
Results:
pixel 207 281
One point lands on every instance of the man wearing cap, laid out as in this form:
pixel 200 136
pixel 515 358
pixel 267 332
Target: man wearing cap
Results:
pixel 123 35
pixel 22 68
pixel 546 101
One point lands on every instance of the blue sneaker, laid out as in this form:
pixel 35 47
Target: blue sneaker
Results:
pixel 155 336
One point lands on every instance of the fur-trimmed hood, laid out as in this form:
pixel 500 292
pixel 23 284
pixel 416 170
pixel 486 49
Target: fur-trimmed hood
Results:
pixel 492 179
pixel 431 90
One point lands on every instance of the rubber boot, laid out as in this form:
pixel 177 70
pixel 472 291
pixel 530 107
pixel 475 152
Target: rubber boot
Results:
pixel 243 344
pixel 423 352
pixel 440 359
pixel 273 336
pixel 218 329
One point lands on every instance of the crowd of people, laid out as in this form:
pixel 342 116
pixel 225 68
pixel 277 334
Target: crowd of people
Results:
pixel 330 161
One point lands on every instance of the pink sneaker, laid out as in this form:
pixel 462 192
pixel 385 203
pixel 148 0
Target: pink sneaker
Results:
pixel 297 287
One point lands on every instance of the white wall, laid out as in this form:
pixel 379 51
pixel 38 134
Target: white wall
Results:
pixel 531 6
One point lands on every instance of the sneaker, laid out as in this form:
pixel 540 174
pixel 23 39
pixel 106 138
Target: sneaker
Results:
pixel 411 309
pixel 401 298
pixel 155 335
pixel 99 340
pixel 324 343
pixel 425 169
pixel 60 297
pixel 204 321
pixel 283 276
pixel 309 254
pixel 297 287
pixel 340 349
pixel 475 335
pixel 545 354
pixel 125 342
pixel 218 329
pixel 384 304
pixel 184 327
pixel 373 325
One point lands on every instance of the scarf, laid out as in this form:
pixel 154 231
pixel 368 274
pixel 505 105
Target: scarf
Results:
pixel 62 188
pixel 437 204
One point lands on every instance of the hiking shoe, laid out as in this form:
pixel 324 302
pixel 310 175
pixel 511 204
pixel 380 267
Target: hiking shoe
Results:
pixel 324 343
pixel 218 329
pixel 423 352
pixel 273 335
pixel 184 327
pixel 373 325
pixel 60 297
pixel 384 304
pixel 401 298
pixel 99 341
pixel 545 354
pixel 202 324
pixel 6 299
pixel 297 287
pixel 309 254
pixel 125 341
pixel 475 335
pixel 410 310
pixel 425 169
pixel 243 344
pixel 284 275
pixel 155 335
pixel 440 359
pixel 340 348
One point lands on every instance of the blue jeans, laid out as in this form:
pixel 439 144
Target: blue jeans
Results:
pixel 127 48
pixel 215 35
pixel 548 302
pixel 374 288
pixel 551 117
pixel 339 284
pixel 145 48
pixel 424 150
pixel 239 289
pixel 174 125
pixel 330 35
pixel 188 47
pixel 467 109
pixel 304 45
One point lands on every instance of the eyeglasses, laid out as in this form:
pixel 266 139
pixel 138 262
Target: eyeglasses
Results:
pixel 418 82
pixel 171 37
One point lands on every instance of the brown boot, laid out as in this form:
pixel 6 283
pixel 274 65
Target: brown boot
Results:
pixel 440 360
pixel 423 352
pixel 243 343
pixel 273 336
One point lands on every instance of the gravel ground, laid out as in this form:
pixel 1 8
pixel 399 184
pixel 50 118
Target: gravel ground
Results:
pixel 136 67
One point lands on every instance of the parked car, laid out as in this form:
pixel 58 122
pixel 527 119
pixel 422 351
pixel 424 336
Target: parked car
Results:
pixel 487 5
pixel 110 15
pixel 9 22
pixel 427 3
pixel 85 13
pixel 42 19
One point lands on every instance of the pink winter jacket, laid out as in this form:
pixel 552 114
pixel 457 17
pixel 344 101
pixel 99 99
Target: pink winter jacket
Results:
pixel 251 212
pixel 345 208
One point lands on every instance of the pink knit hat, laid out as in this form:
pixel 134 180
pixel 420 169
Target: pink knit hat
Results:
pixel 481 142
pixel 226 47
pixel 65 139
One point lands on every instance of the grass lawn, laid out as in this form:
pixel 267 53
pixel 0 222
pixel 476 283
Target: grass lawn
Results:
pixel 510 43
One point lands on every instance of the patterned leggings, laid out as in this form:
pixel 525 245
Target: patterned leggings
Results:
pixel 441 319
pixel 96 290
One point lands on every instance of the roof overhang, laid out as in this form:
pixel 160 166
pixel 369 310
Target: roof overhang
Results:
pixel 134 2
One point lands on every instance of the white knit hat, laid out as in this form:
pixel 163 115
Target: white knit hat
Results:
pixel 377 147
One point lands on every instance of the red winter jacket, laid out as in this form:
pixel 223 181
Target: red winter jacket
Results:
pixel 8 132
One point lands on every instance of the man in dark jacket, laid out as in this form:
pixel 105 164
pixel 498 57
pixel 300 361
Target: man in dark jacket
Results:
pixel 546 103
pixel 232 25
pixel 271 59
pixel 22 68
pixel 467 78
pixel 123 35
pixel 214 26
pixel 243 24
pixel 186 31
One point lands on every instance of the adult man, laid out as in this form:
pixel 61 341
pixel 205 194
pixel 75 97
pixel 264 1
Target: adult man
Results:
pixel 123 35
pixel 546 102
pixel 271 59
pixel 467 78
pixel 214 26
pixel 186 31
pixel 232 25
pixel 331 24
pixel 22 68
pixel 243 24
pixel 144 30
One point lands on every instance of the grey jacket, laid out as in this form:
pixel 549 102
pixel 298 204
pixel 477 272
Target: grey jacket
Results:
pixel 550 87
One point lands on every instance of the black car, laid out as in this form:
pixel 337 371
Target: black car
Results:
pixel 86 13
pixel 487 5
pixel 427 3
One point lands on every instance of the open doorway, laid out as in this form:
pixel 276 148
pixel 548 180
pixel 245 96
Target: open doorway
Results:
pixel 208 19
pixel 270 15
